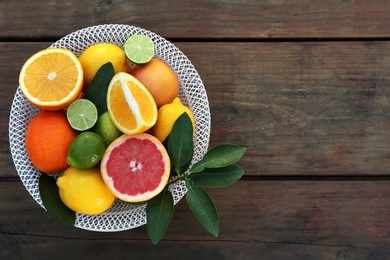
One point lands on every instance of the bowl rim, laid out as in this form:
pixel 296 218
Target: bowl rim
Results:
pixel 192 92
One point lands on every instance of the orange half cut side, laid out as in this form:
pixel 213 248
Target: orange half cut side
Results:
pixel 130 105
pixel 52 78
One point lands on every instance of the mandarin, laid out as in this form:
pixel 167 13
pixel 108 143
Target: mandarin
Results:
pixel 48 137
pixel 159 79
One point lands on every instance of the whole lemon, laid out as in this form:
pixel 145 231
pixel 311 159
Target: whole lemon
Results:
pixel 99 54
pixel 167 116
pixel 84 191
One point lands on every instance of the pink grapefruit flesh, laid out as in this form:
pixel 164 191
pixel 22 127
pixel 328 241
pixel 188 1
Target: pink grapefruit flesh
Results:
pixel 135 167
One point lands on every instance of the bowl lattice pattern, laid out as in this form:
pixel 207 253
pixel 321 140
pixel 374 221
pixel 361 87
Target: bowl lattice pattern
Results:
pixel 122 215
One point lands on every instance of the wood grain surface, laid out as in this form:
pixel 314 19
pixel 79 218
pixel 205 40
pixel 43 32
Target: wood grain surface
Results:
pixel 279 220
pixel 304 85
pixel 317 108
pixel 202 19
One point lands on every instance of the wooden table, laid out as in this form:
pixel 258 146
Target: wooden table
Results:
pixel 304 85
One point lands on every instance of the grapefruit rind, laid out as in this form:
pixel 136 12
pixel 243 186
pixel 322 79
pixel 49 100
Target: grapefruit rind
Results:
pixel 141 197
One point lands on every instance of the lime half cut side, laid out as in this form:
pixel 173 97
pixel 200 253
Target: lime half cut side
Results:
pixel 139 48
pixel 82 114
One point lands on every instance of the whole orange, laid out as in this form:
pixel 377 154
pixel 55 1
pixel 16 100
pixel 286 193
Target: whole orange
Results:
pixel 159 79
pixel 48 137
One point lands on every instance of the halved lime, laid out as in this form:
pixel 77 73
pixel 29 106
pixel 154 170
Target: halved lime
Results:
pixel 82 114
pixel 86 150
pixel 139 48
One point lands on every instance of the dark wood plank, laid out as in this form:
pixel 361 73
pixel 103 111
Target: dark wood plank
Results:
pixel 12 58
pixel 300 108
pixel 317 108
pixel 279 219
pixel 210 19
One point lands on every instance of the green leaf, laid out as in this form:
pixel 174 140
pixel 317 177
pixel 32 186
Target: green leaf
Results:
pixel 219 156
pixel 180 142
pixel 159 212
pixel 203 208
pixel 97 89
pixel 52 201
pixel 218 177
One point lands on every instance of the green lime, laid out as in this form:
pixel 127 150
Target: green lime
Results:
pixel 82 114
pixel 106 128
pixel 139 48
pixel 86 150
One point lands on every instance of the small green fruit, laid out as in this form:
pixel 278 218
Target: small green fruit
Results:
pixel 106 128
pixel 86 150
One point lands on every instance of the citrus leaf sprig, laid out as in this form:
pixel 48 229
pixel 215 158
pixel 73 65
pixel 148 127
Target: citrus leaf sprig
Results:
pixel 216 169
pixel 180 144
pixel 97 89
pixel 160 213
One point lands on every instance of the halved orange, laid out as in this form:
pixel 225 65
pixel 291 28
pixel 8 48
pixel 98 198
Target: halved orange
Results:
pixel 130 105
pixel 52 78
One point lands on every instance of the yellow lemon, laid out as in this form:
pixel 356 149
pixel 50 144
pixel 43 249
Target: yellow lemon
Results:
pixel 84 191
pixel 167 116
pixel 99 54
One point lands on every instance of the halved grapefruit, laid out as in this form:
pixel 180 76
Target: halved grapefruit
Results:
pixel 136 167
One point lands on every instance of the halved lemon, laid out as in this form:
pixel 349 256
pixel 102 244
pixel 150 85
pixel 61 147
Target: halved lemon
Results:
pixel 52 78
pixel 130 104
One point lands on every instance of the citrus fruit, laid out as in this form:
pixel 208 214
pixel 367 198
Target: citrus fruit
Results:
pixel 106 128
pixel 99 54
pixel 131 106
pixel 48 137
pixel 159 79
pixel 82 114
pixel 167 116
pixel 52 78
pixel 139 48
pixel 86 150
pixel 84 191
pixel 135 167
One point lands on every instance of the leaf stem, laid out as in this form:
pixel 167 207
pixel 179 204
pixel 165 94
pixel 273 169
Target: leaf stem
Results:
pixel 178 178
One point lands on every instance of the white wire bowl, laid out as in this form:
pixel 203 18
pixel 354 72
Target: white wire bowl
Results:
pixel 121 216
